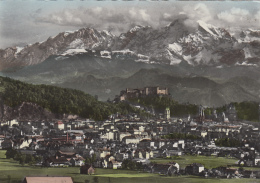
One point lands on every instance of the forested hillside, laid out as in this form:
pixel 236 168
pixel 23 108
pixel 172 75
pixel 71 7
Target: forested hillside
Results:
pixel 58 100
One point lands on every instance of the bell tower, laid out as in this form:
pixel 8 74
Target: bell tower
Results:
pixel 167 113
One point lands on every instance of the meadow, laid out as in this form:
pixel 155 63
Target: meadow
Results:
pixel 12 172
pixel 208 161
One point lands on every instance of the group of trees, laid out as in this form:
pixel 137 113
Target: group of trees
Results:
pixel 22 158
pixel 228 142
pixel 159 103
pixel 91 160
pixel 60 100
pixel 180 136
pixel 131 165
pixel 245 110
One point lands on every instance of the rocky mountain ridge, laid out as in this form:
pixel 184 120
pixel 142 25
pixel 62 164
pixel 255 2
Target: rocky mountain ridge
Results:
pixel 177 42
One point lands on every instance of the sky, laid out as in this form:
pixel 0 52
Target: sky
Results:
pixel 28 21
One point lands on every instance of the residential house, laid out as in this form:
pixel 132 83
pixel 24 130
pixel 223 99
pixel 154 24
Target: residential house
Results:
pixel 87 169
pixel 59 125
pixel 57 161
pixel 122 156
pixel 257 160
pixel 231 172
pixel 67 155
pixel 164 169
pixel 143 154
pixel 131 140
pixel 2 138
pixel 7 143
pixel 67 147
pixel 78 161
pixel 107 135
pixel 194 168
pixel 102 153
pixel 145 143
pixel 175 165
pixel 114 164
pixel 123 134
pixel 249 174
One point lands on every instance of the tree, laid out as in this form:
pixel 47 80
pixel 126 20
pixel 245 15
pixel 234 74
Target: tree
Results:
pixel 10 153
pixel 95 180
pixel 22 159
pixel 93 158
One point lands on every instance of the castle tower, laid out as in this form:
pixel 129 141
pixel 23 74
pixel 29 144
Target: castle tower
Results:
pixel 167 113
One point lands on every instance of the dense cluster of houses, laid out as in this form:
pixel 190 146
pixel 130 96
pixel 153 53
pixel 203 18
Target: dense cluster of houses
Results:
pixel 107 144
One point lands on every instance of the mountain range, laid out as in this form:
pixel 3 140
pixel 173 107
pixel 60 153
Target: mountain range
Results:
pixel 202 65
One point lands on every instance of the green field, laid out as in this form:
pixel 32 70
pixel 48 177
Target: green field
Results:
pixel 12 172
pixel 208 161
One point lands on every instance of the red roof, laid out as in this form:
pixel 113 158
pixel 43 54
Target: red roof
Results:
pixel 59 122
pixel 48 179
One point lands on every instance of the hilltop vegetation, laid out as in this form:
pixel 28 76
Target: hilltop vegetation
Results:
pixel 159 103
pixel 247 110
pixel 59 100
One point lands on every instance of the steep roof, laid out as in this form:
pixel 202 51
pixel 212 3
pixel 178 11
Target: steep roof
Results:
pixel 48 179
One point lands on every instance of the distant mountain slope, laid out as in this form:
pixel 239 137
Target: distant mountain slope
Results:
pixel 195 90
pixel 172 44
pixel 106 78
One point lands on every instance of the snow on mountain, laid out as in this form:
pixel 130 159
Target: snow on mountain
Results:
pixel 105 54
pixel 73 51
pixel 76 44
pixel 18 50
pixel 142 58
pixel 246 64
pixel 108 33
pixel 123 52
pixel 207 45
pixel 248 53
pixel 206 27
pixel 136 28
pixel 66 33
pixel 212 30
pixel 175 47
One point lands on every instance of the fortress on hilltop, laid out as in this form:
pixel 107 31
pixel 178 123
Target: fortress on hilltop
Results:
pixel 139 92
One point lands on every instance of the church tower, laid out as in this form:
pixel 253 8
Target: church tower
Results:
pixel 259 111
pixel 201 114
pixel 167 113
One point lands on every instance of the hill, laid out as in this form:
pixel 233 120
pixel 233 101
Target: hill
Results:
pixel 27 101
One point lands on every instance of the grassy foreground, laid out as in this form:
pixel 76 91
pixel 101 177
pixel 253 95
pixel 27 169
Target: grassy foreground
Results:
pixel 12 172
pixel 208 161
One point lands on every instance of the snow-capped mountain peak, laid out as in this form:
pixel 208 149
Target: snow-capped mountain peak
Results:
pixel 136 28
pixel 206 27
pixel 212 30
pixel 207 45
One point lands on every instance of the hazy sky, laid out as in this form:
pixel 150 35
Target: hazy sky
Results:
pixel 28 21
